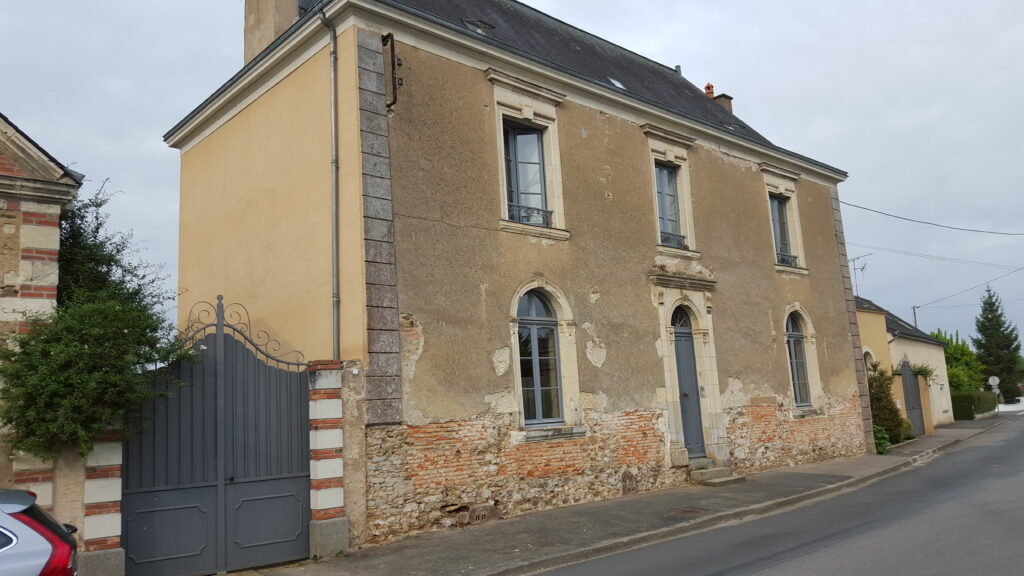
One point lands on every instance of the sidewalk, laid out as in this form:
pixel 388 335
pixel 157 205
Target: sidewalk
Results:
pixel 546 539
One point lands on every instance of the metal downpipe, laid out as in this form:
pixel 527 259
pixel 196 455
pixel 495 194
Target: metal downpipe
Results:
pixel 335 290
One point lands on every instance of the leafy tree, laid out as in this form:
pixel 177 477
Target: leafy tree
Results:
pixel 998 345
pixel 964 369
pixel 884 412
pixel 81 371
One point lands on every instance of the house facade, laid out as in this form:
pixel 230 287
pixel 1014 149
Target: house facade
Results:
pixel 561 272
pixel 897 345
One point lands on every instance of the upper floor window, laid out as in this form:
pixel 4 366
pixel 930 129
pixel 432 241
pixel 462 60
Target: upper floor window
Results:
pixel 780 227
pixel 538 359
pixel 531 178
pixel 672 190
pixel 781 187
pixel 665 178
pixel 524 175
pixel 797 360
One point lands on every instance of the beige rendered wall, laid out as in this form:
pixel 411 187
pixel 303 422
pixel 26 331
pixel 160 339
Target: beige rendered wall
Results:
pixel 933 355
pixel 256 211
pixel 875 339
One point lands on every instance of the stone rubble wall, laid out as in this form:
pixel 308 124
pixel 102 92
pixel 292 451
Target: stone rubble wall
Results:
pixel 768 433
pixel 443 474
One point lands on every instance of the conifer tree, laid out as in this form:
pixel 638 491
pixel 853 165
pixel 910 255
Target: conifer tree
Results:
pixel 998 345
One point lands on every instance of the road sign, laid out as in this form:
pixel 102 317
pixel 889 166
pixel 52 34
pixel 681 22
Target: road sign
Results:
pixel 993 381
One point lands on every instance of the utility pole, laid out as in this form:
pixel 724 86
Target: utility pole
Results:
pixel 914 308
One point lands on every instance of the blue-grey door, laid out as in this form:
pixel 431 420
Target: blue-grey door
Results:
pixel 689 389
pixel 219 480
pixel 912 399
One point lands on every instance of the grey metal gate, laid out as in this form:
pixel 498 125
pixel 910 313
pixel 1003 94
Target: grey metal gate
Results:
pixel 220 479
pixel 689 389
pixel 912 399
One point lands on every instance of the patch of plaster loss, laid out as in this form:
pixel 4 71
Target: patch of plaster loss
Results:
pixel 597 353
pixel 542 241
pixel 502 402
pixel 660 397
pixel 411 333
pixel 584 134
pixel 733 396
pixel 595 295
pixel 600 402
pixel 501 359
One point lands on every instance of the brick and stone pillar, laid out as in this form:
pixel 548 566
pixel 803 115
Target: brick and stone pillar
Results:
pixel 102 530
pixel 328 530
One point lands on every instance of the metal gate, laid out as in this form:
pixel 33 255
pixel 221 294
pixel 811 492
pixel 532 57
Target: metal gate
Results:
pixel 912 398
pixel 220 479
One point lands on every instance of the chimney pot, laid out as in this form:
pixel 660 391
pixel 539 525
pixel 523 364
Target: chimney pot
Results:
pixel 265 20
pixel 709 89
pixel 679 69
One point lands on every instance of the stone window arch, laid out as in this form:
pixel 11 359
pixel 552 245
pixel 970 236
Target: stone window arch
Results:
pixel 543 332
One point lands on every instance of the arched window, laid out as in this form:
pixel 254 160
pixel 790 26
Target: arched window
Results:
pixel 797 360
pixel 538 359
pixel 868 360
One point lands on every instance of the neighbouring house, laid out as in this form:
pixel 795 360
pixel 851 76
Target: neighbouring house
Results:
pixel 33 188
pixel 899 346
pixel 540 268
pixel 82 491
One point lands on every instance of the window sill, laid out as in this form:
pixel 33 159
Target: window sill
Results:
pixel 531 230
pixel 543 434
pixel 801 412
pixel 791 269
pixel 677 252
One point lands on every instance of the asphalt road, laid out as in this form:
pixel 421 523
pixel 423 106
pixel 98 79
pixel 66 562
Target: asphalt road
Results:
pixel 962 514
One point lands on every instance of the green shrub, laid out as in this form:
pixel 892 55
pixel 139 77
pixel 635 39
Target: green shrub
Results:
pixel 883 408
pixel 967 403
pixel 963 404
pixel 906 429
pixel 986 402
pixel 882 443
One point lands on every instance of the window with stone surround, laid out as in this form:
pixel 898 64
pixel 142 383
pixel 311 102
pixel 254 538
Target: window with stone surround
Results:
pixel 531 174
pixel 802 360
pixel 538 360
pixel 785 218
pixel 672 191
pixel 797 360
pixel 544 361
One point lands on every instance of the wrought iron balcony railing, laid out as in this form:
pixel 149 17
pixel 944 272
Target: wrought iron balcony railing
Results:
pixel 786 259
pixel 529 215
pixel 674 240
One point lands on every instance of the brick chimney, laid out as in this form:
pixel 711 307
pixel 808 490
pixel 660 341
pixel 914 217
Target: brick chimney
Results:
pixel 724 100
pixel 265 20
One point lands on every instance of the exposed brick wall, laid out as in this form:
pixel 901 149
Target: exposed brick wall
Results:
pixel 423 477
pixel 769 435
pixel 9 168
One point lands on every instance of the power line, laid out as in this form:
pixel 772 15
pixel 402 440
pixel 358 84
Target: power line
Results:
pixel 931 223
pixel 971 288
pixel 934 257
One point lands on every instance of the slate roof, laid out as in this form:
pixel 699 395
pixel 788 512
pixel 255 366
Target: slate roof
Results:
pixel 865 304
pixel 527 32
pixel 898 327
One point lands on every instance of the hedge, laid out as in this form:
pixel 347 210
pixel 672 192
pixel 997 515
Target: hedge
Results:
pixel 967 403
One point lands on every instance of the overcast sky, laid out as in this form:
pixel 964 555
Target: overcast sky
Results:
pixel 918 101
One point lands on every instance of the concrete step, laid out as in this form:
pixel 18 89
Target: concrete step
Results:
pixel 702 476
pixel 724 481
pixel 700 463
